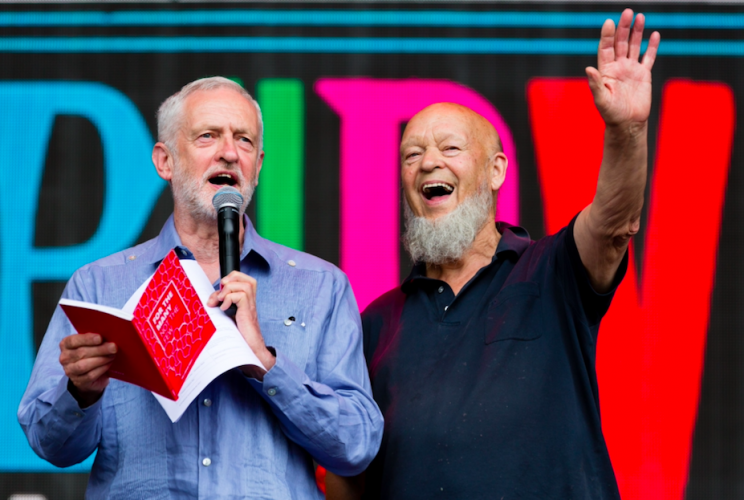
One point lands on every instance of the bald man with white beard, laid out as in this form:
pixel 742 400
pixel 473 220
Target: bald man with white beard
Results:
pixel 483 361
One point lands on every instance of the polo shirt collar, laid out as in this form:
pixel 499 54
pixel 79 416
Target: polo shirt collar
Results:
pixel 169 239
pixel 514 240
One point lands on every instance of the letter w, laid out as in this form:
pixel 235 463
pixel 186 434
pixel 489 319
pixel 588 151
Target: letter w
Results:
pixel 652 341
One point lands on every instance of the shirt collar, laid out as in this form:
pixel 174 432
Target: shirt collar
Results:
pixel 514 240
pixel 169 239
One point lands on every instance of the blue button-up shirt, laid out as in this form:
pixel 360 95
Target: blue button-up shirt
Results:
pixel 241 438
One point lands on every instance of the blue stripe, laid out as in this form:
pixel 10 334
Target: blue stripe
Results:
pixel 350 45
pixel 298 45
pixel 448 19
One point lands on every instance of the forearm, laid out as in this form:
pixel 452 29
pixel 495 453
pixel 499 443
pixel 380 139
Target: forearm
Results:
pixel 604 229
pixel 57 429
pixel 616 209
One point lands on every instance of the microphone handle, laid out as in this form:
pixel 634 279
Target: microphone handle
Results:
pixel 228 227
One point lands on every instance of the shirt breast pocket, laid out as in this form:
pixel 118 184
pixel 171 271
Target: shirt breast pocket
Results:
pixel 515 314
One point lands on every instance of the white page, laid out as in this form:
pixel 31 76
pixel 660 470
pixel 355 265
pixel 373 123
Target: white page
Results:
pixel 225 350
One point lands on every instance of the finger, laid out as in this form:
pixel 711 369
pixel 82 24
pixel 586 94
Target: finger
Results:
pixel 247 287
pixel 80 340
pixel 623 33
pixel 213 300
pixel 606 51
pixel 636 37
pixel 237 276
pixel 595 80
pixel 237 298
pixel 82 368
pixel 92 377
pixel 68 356
pixel 653 46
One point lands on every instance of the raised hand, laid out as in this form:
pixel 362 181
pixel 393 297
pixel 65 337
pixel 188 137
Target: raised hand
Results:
pixel 621 84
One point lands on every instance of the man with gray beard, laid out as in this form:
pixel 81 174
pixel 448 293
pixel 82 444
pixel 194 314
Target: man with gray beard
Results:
pixel 483 361
pixel 251 433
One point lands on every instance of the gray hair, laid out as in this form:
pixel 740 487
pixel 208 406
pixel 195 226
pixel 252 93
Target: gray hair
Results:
pixel 447 238
pixel 170 113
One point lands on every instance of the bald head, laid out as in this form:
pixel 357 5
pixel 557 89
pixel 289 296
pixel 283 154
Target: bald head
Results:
pixel 448 154
pixel 479 129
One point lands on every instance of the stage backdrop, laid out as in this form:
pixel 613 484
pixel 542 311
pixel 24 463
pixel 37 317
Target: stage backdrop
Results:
pixel 80 84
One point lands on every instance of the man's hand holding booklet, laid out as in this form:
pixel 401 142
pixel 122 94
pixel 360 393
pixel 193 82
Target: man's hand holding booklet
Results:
pixel 168 341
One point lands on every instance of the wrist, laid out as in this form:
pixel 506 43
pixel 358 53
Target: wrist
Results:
pixel 267 357
pixel 626 131
pixel 84 399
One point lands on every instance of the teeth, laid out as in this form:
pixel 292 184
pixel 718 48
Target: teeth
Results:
pixel 446 187
pixel 225 175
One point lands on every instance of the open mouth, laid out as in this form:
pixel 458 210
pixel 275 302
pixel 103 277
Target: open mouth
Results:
pixel 436 190
pixel 223 179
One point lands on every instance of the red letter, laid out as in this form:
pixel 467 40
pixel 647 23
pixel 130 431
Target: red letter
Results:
pixel 650 352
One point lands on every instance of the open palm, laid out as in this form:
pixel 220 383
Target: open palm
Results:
pixel 621 84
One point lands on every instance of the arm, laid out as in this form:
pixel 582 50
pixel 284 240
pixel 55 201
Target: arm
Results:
pixel 333 416
pixel 59 415
pixel 621 86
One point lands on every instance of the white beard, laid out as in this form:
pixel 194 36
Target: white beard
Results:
pixel 447 238
pixel 188 192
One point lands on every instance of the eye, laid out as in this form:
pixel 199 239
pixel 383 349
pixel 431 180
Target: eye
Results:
pixel 412 155
pixel 206 135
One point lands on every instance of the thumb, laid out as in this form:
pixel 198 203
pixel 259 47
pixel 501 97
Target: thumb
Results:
pixel 599 91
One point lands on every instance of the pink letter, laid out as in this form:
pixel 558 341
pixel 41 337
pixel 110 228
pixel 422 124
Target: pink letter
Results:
pixel 371 112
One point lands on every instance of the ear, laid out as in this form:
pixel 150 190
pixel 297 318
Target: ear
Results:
pixel 259 164
pixel 163 161
pixel 498 167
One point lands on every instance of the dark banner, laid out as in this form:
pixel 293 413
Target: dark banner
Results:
pixel 80 85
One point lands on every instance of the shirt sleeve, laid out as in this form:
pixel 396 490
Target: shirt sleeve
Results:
pixel 594 304
pixel 57 429
pixel 334 418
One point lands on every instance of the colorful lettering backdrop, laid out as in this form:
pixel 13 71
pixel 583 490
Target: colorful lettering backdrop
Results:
pixel 80 84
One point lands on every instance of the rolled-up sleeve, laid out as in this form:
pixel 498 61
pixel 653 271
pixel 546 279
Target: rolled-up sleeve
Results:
pixel 334 417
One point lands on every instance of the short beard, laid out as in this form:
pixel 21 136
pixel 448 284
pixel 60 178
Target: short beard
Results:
pixel 447 238
pixel 188 192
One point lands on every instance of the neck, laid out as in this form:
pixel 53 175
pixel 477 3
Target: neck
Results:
pixel 456 274
pixel 202 239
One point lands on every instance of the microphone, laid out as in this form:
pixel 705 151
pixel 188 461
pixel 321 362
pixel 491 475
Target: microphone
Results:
pixel 227 201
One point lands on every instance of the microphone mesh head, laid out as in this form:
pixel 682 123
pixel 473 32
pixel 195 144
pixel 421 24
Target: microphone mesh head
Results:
pixel 227 196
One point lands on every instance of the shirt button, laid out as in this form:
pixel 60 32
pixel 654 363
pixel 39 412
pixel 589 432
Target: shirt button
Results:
pixel 292 263
pixel 207 402
pixel 446 307
pixel 440 289
pixel 78 414
pixel 271 391
pixel 206 462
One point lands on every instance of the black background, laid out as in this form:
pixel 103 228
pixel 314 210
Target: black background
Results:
pixel 73 180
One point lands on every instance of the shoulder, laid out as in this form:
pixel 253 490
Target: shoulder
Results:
pixel 385 304
pixel 129 256
pixel 111 279
pixel 283 257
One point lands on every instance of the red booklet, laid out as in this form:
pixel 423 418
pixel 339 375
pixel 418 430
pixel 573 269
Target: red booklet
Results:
pixel 161 339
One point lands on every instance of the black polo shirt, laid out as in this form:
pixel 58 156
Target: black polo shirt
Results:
pixel 492 393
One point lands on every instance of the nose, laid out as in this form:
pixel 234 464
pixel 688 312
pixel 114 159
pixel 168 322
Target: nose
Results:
pixel 431 159
pixel 228 152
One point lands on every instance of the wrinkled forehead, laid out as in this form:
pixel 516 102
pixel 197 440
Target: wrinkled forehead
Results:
pixel 445 120
pixel 217 106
